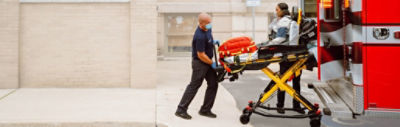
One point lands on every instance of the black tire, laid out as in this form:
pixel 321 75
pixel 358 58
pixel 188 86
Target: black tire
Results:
pixel 315 122
pixel 245 111
pixel 310 86
pixel 244 119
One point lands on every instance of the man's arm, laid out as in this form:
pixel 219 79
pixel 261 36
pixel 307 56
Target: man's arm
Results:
pixel 200 50
pixel 203 57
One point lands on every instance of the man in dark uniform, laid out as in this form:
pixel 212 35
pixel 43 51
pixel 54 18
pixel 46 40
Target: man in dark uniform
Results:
pixel 202 68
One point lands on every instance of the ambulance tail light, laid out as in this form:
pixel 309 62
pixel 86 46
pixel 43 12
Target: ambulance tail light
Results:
pixel 346 3
pixel 327 4
pixel 397 34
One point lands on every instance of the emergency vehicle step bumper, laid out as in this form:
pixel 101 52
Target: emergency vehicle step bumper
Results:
pixel 332 101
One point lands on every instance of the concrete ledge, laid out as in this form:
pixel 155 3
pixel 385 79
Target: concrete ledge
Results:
pixel 74 1
pixel 5 92
pixel 87 124
pixel 106 107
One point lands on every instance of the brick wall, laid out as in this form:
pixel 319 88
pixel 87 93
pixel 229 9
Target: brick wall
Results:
pixel 231 18
pixel 75 45
pixel 143 43
pixel 9 23
pixel 107 44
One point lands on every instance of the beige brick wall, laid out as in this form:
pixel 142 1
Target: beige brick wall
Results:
pixel 75 45
pixel 104 44
pixel 161 37
pixel 143 43
pixel 194 1
pixel 9 29
pixel 231 18
pixel 222 26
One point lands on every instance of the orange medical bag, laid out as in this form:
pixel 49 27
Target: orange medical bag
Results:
pixel 237 46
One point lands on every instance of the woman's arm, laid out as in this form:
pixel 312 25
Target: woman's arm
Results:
pixel 281 36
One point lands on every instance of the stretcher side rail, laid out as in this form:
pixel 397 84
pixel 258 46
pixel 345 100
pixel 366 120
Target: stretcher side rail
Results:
pixel 255 65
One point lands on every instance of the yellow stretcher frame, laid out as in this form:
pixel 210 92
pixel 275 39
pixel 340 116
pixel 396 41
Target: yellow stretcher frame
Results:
pixel 280 80
pixel 280 83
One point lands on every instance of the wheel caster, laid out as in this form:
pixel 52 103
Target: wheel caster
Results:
pixel 244 119
pixel 310 86
pixel 315 122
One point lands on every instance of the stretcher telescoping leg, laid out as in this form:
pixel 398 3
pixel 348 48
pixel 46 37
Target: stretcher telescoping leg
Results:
pixel 280 83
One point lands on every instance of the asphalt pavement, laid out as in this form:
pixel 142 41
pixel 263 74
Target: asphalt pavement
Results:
pixel 252 83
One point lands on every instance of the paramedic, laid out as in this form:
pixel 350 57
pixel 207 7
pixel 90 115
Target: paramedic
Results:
pixel 202 68
pixel 280 28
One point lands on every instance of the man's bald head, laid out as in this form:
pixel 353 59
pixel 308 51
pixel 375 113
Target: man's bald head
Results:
pixel 204 19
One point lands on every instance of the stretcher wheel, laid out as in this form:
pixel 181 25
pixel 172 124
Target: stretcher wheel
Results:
pixel 244 119
pixel 315 121
pixel 310 86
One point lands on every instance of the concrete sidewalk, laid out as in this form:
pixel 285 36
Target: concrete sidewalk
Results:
pixel 116 107
pixel 108 107
pixel 173 77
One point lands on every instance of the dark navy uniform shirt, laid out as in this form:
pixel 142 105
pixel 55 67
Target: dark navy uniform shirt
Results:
pixel 202 42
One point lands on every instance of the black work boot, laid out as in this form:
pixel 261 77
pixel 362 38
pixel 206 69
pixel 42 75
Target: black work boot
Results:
pixel 208 114
pixel 183 115
pixel 280 110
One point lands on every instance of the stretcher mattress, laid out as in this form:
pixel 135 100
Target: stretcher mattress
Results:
pixel 266 52
pixel 262 57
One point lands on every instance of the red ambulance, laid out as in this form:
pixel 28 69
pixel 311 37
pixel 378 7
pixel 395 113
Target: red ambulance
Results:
pixel 359 57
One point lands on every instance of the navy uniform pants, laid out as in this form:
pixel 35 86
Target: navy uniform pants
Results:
pixel 200 71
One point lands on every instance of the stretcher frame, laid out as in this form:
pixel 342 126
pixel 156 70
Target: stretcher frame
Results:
pixel 280 83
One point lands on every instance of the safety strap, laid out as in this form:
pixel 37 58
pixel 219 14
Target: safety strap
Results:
pixel 249 58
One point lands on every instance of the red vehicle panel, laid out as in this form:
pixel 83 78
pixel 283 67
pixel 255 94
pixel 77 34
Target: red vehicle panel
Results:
pixel 385 12
pixel 382 80
pixel 381 70
pixel 375 26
